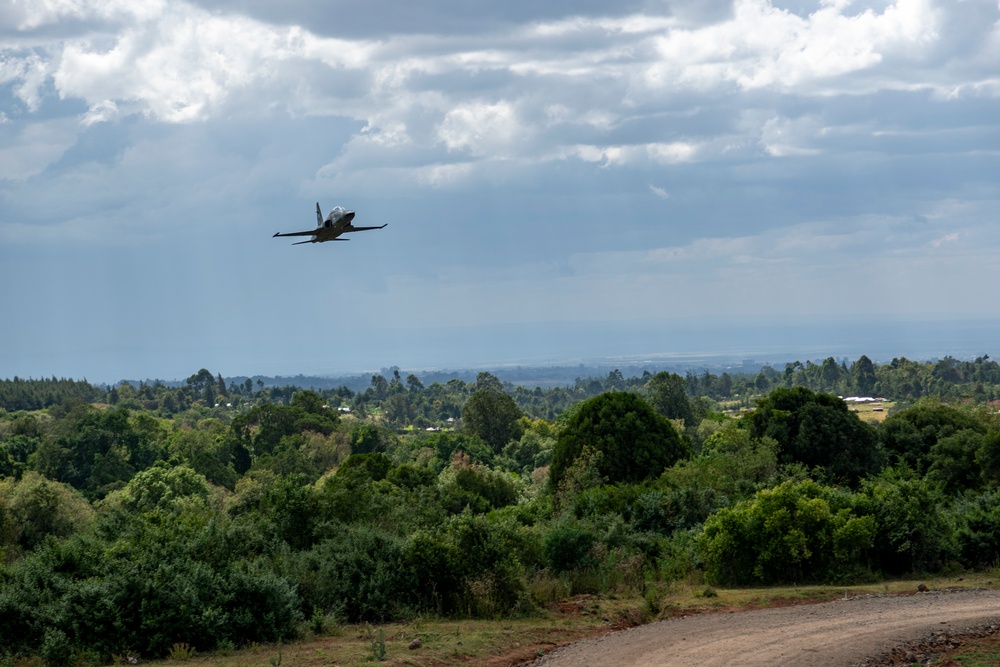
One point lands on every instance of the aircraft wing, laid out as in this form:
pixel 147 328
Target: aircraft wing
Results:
pixel 309 233
pixel 362 229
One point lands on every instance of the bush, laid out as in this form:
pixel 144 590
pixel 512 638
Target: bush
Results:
pixel 631 441
pixel 569 547
pixel 977 536
pixel 913 533
pixel 160 579
pixel 360 575
pixel 795 532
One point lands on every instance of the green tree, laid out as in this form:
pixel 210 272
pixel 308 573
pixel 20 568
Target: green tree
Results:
pixel 910 435
pixel 668 396
pixel 493 416
pixel 953 462
pixel 41 507
pixel 797 531
pixel 633 441
pixel 366 438
pixel 863 376
pixel 817 430
pixel 311 402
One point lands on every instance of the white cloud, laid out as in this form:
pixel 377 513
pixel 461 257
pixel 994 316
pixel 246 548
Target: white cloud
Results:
pixel 659 192
pixel 947 238
pixel 653 153
pixel 32 14
pixel 782 137
pixel 481 129
pixel 765 47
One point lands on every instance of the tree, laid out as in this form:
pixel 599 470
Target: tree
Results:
pixel 668 396
pixel 615 381
pixel 863 376
pixel 633 441
pixel 793 532
pixel 910 435
pixel 202 384
pixel 380 386
pixel 486 381
pixel 493 416
pixel 817 430
pixel 220 386
pixel 367 438
pixel 311 402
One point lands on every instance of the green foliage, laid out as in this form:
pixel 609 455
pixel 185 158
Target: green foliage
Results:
pixel 142 583
pixel 181 651
pixel 977 533
pixel 953 461
pixel 634 442
pixel 367 438
pixel 33 508
pixel 909 436
pixel 668 396
pixel 795 532
pixel 377 641
pixel 913 533
pixel 523 456
pixel 57 651
pixel 817 430
pixel 359 574
pixel 492 416
pixel 284 507
pixel 20 394
pixel 569 547
pixel 161 487
pixel 476 487
pixel 445 445
pixel 374 467
pixel 99 451
pixel 228 525
pixel 732 465
pixel 411 476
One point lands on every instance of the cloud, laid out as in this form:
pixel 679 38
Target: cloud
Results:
pixel 28 149
pixel 480 129
pixel 783 137
pixel 659 192
pixel 516 148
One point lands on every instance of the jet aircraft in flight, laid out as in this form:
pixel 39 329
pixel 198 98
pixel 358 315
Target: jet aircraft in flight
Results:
pixel 337 223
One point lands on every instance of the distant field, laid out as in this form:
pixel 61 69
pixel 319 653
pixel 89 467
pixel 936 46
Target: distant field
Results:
pixel 869 412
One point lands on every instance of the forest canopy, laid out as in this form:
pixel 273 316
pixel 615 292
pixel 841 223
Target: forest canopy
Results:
pixel 218 513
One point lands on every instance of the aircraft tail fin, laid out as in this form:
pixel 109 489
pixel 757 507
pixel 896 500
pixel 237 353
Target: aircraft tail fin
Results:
pixel 319 216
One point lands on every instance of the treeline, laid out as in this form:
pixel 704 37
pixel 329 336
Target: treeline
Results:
pixel 20 394
pixel 900 380
pixel 126 528
pixel 411 401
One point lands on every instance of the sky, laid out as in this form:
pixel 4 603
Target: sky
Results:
pixel 561 180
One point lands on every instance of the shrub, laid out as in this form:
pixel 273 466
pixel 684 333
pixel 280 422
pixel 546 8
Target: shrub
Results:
pixel 795 532
pixel 913 533
pixel 977 536
pixel 569 547
pixel 633 442
pixel 360 574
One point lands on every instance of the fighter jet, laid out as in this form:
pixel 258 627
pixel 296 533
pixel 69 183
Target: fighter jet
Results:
pixel 337 223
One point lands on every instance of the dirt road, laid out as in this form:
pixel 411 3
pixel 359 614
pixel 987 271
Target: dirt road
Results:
pixel 845 632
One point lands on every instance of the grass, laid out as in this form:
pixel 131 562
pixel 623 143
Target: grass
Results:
pixel 983 652
pixel 871 412
pixel 509 642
